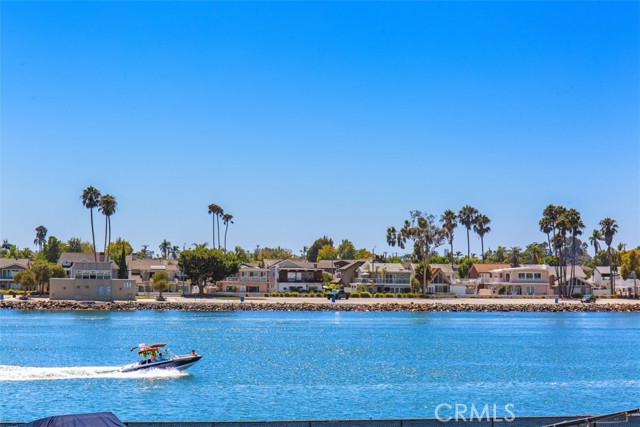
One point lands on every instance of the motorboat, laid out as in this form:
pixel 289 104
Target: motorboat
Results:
pixel 158 356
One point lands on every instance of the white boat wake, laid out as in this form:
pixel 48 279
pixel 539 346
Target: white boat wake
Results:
pixel 29 373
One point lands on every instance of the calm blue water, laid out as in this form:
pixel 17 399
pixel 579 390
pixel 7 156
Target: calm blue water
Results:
pixel 292 365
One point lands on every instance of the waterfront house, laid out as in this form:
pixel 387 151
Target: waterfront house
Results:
pixel 346 273
pixel 442 277
pixel 293 276
pixel 382 277
pixel 141 271
pixel 8 268
pixel 92 281
pixel 68 259
pixel 521 280
pixel 250 278
pixel 601 278
pixel 478 271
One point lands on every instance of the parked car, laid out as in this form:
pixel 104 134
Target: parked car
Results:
pixel 588 298
pixel 338 294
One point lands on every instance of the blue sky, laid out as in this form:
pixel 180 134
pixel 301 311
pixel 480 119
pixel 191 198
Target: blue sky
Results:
pixel 310 118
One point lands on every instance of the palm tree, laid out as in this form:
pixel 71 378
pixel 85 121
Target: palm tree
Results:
pixel 608 228
pixel 449 221
pixel 41 234
pixel 467 217
pixel 175 252
pixel 217 212
pixel 575 226
pixel 200 245
pixel 165 247
pixel 514 254
pixel 481 227
pixel 226 219
pixel 90 199
pixel 107 205
pixel 594 239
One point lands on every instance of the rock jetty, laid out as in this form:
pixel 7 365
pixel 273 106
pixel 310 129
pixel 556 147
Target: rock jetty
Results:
pixel 319 306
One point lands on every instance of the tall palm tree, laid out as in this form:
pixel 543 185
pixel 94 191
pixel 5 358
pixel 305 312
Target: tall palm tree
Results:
pixel 449 221
pixel 481 227
pixel 575 226
pixel 226 219
pixel 107 206
pixel 594 239
pixel 41 234
pixel 467 217
pixel 202 245
pixel 165 247
pixel 90 199
pixel 608 228
pixel 217 212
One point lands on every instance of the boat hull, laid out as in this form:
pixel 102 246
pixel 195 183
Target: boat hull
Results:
pixel 179 362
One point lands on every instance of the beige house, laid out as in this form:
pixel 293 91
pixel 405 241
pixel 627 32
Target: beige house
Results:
pixel 141 271
pixel 524 280
pixel 250 278
pixel 92 281
pixel 8 268
pixel 382 277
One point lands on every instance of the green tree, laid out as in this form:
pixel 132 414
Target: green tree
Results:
pixel 74 244
pixel 115 248
pixel 555 224
pixel 41 234
pixel 463 268
pixel 42 271
pixel 26 279
pixel 467 217
pixel 161 283
pixel 481 227
pixel 123 270
pixel 90 199
pixel 608 228
pixel 449 221
pixel 312 253
pixel 242 255
pixel 362 253
pixel 207 265
pixel 346 250
pixel 421 229
pixel 274 253
pixel 327 252
pixel 107 206
pixel 226 220
pixel 52 249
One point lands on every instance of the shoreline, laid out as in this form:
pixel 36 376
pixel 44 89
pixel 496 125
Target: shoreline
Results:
pixel 314 304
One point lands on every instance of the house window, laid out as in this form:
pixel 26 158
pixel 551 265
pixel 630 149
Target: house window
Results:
pixel 531 290
pixel 253 289
pixel 529 276
pixel 537 276
pixel 521 276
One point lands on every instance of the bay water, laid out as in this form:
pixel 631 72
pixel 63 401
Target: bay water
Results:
pixel 318 365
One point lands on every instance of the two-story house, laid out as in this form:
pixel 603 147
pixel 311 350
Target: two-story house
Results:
pixel 293 276
pixel 92 281
pixel 522 280
pixel 8 268
pixel 382 277
pixel 250 278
